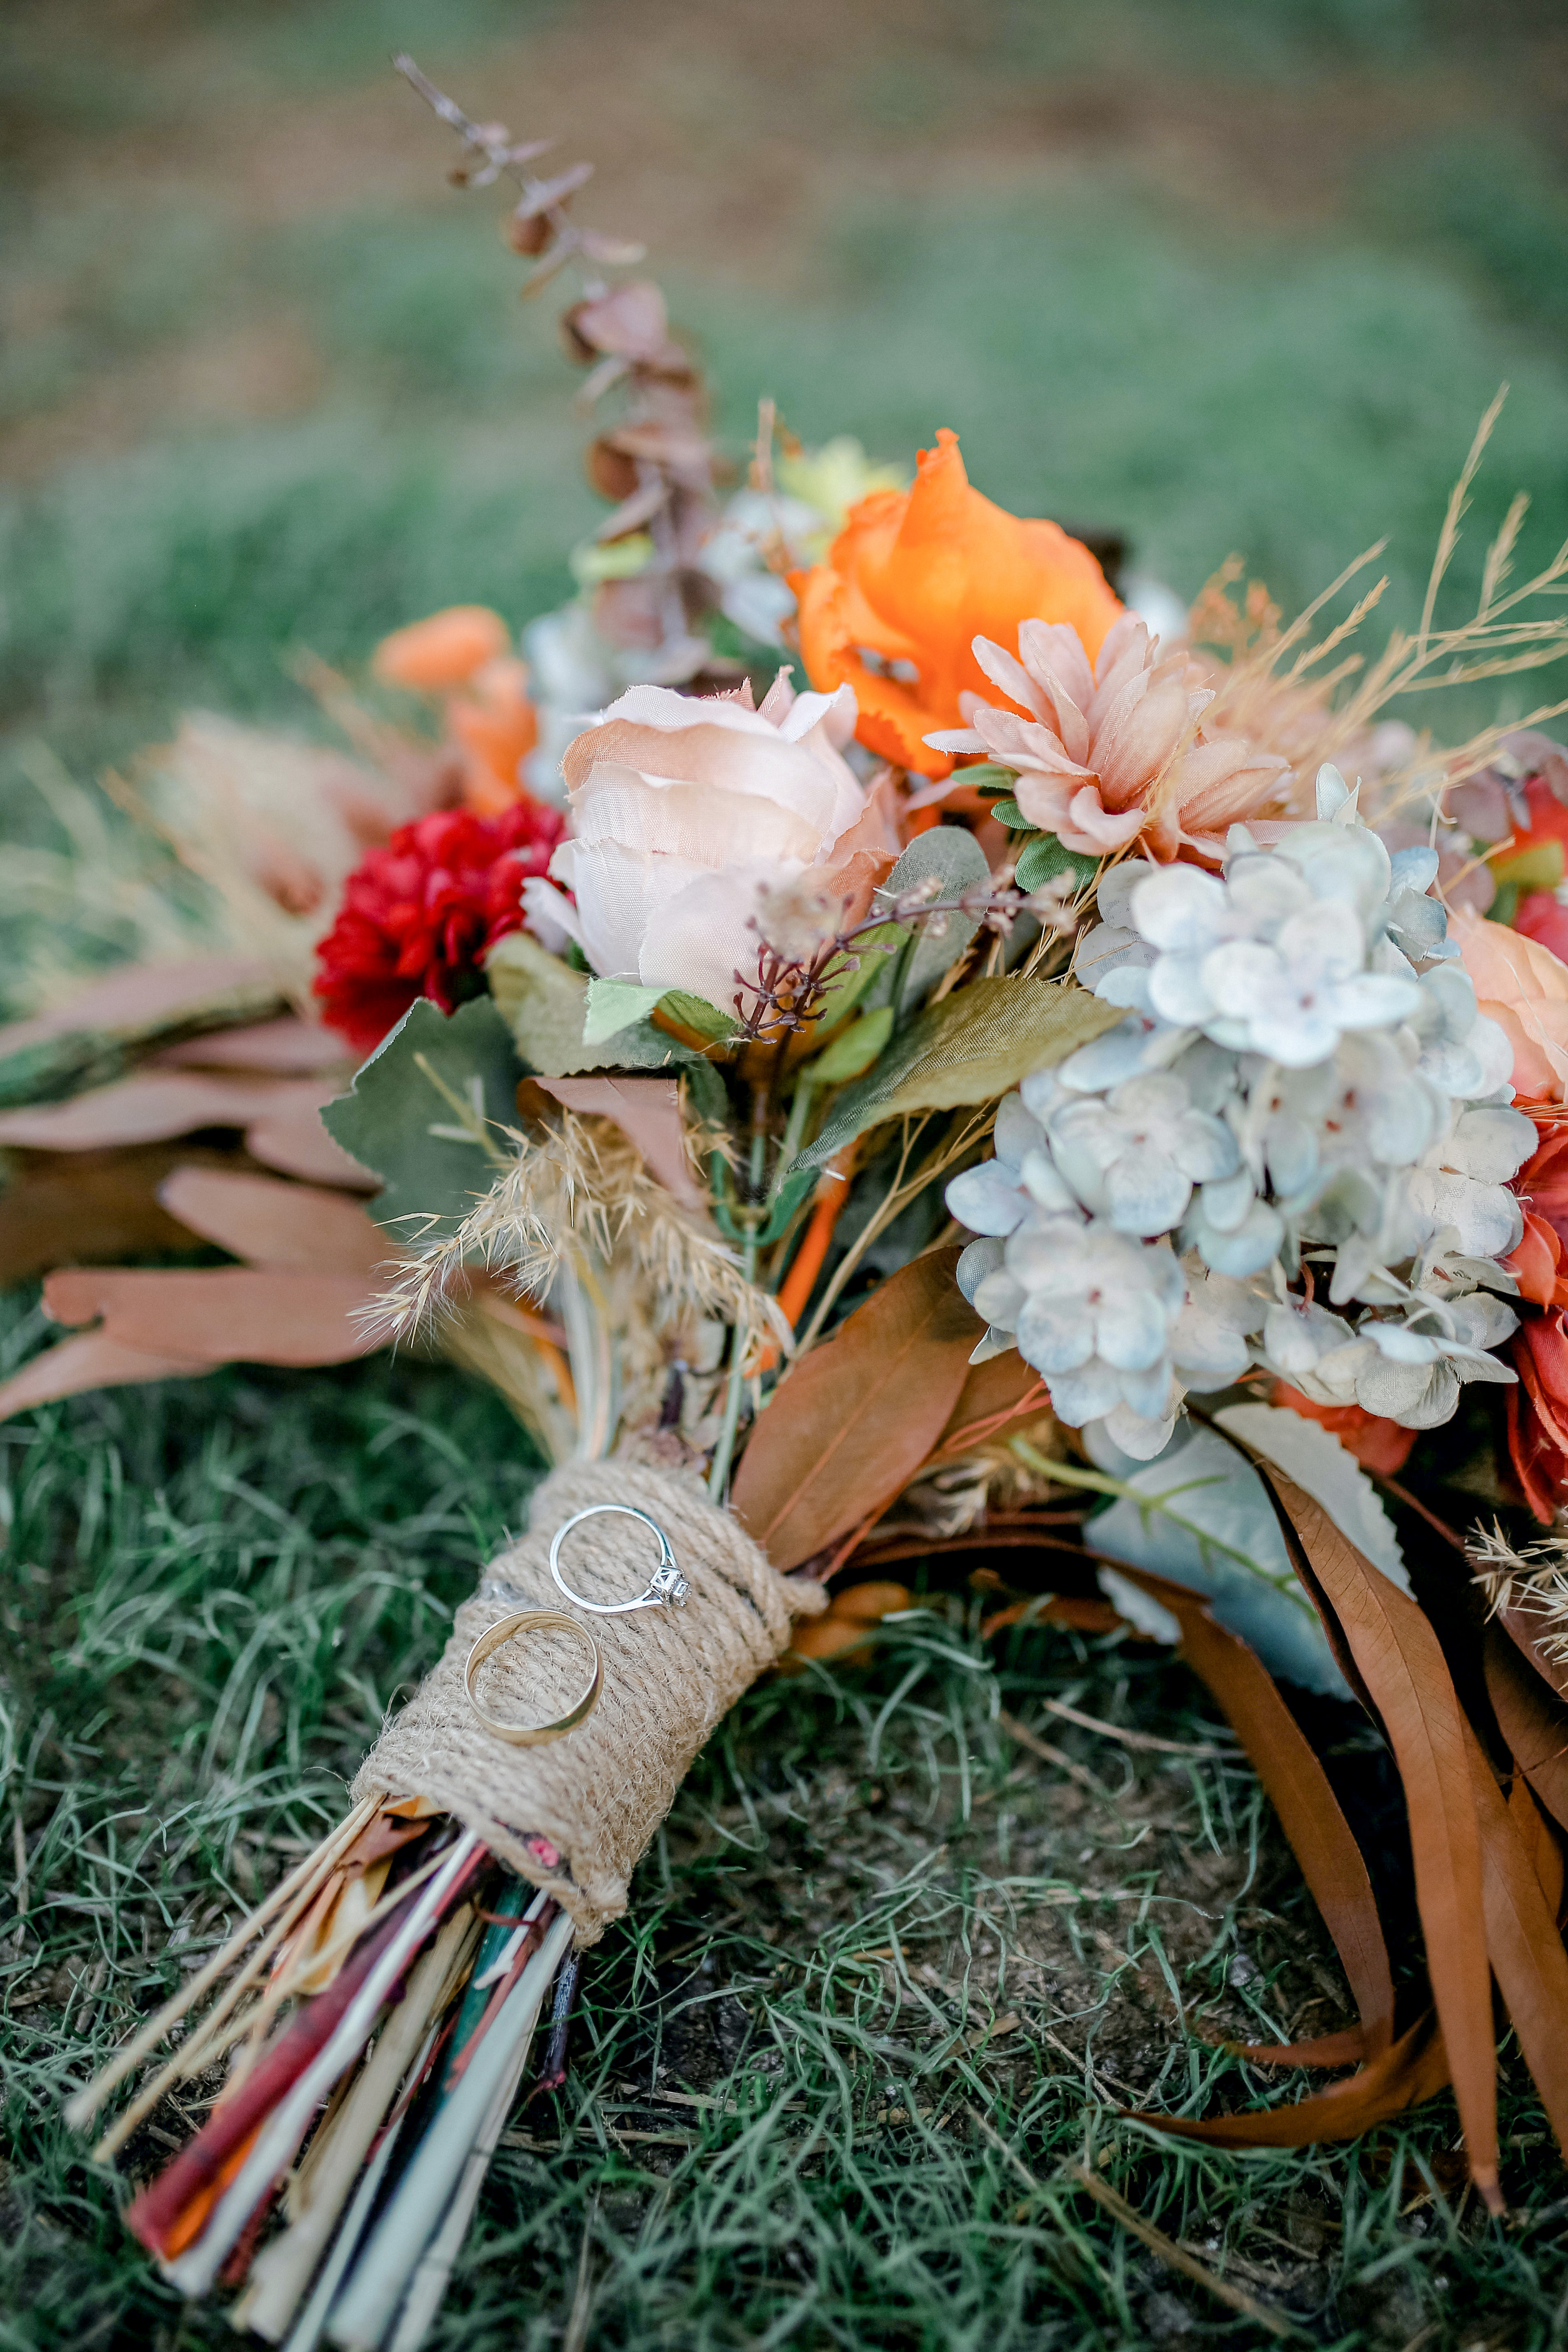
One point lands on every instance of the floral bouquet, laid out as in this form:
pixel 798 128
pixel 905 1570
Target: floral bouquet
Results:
pixel 1048 1091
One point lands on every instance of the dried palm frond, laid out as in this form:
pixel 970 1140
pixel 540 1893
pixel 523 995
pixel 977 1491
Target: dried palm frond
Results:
pixel 1533 1582
pixel 578 1197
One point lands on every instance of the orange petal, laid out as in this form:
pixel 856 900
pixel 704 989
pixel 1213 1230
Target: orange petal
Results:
pixel 432 657
pixel 1536 1261
pixel 918 575
pixel 498 728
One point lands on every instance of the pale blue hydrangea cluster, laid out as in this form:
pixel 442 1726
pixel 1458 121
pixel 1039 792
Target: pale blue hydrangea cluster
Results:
pixel 1293 1152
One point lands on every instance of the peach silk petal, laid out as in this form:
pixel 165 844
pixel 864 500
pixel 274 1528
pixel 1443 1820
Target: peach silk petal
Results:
pixel 1522 986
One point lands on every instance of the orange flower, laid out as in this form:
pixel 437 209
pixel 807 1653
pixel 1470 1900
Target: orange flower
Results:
pixel 912 579
pixel 433 656
pixel 1379 1445
pixel 493 724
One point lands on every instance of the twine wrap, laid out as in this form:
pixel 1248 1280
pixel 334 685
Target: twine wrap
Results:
pixel 598 1793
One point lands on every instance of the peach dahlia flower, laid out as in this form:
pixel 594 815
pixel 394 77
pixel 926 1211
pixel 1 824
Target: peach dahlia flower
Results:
pixel 1112 752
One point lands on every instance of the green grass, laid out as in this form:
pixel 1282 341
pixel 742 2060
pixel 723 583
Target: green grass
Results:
pixel 213 1591
pixel 1225 275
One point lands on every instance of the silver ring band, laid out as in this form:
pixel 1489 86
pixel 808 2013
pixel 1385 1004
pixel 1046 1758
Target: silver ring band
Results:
pixel 666 1588
pixel 527 1621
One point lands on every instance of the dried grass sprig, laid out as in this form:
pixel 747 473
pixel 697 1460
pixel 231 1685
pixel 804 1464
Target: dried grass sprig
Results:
pixel 1293 710
pixel 582 1191
pixel 1532 1582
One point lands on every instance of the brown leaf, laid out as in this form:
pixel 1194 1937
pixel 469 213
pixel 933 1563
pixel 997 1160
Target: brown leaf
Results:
pixel 850 1424
pixel 1541 1844
pixel 846 1625
pixel 290 1136
pixel 140 996
pixel 153 1105
pixel 287 1048
pixel 93 1361
pixel 648 1112
pixel 75 1208
pixel 1523 1943
pixel 1534 1725
pixel 1410 2069
pixel 1527 1632
pixel 273 1225
pixel 1299 1788
pixel 1401 1663
pixel 1002 1390
pixel 219 1315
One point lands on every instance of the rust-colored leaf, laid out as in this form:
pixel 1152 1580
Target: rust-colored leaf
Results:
pixel 1400 1661
pixel 289 1048
pixel 141 997
pixel 1002 1390
pixel 1527 1632
pixel 1531 1721
pixel 1540 1842
pixel 227 1313
pixel 846 1625
pixel 1299 1788
pixel 1522 1942
pixel 93 1360
pixel 1408 2071
pixel 851 1423
pixel 273 1225
pixel 648 1112
pixel 71 1208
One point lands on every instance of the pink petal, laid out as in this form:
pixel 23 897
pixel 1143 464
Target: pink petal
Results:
pixel 1125 653
pixel 1140 732
pixel 1052 647
pixel 1020 743
pixel 1009 675
pixel 1091 829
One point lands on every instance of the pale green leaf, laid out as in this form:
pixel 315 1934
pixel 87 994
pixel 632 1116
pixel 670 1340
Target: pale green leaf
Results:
pixel 852 1052
pixel 949 856
pixel 973 1046
pixel 428 1112
pixel 615 1005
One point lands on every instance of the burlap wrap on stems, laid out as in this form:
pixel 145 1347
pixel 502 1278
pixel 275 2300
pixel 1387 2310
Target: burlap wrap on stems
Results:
pixel 598 1793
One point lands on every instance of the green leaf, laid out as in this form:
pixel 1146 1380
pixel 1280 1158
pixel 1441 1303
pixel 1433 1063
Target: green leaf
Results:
pixel 545 1005
pixel 1009 812
pixel 1199 1514
pixel 618 1005
pixel 796 1184
pixel 1044 858
pixel 852 1052
pixel 949 856
pixel 988 776
pixel 973 1046
pixel 424 1108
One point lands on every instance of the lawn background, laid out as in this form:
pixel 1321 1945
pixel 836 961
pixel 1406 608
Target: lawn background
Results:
pixel 1221 276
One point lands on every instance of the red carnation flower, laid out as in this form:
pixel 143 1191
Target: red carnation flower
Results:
pixel 418 915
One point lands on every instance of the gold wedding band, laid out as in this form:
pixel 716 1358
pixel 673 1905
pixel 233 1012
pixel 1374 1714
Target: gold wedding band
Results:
pixel 528 1621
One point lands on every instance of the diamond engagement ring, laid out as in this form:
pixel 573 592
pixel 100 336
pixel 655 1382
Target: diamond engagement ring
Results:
pixel 666 1588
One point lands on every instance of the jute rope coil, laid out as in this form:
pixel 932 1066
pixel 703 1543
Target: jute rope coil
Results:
pixel 597 1795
